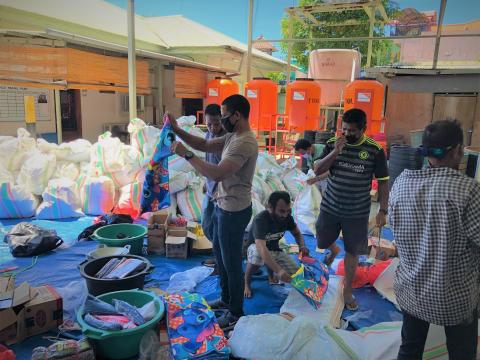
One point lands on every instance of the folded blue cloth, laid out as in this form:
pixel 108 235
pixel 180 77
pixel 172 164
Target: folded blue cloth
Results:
pixel 94 305
pixel 129 311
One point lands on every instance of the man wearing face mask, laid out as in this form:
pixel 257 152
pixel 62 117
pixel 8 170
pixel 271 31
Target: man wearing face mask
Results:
pixel 215 130
pixel 233 199
pixel 435 219
pixel 311 153
pixel 268 227
pixel 353 159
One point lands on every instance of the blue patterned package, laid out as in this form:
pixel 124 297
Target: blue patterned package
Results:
pixel 193 330
pixel 155 192
pixel 311 280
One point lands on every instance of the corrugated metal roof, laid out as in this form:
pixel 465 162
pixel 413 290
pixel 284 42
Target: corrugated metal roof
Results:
pixel 95 14
pixel 178 31
pixel 423 69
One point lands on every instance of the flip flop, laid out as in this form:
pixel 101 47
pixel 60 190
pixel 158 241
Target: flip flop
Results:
pixel 352 305
pixel 209 263
pixel 220 312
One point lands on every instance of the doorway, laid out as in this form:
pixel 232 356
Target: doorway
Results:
pixel 191 107
pixel 71 114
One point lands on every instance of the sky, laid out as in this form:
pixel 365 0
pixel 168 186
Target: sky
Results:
pixel 231 16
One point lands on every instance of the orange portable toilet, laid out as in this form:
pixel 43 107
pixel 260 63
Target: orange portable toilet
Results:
pixel 368 95
pixel 219 89
pixel 302 105
pixel 262 94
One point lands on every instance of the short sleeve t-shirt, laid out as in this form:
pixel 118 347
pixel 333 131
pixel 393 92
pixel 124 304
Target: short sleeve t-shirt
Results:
pixel 212 158
pixel 264 227
pixel 350 181
pixel 234 192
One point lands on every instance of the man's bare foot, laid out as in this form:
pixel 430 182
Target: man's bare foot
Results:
pixel 247 293
pixel 273 279
pixel 328 260
pixel 349 300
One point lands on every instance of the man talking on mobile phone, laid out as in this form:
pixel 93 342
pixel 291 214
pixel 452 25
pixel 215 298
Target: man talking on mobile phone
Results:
pixel 353 159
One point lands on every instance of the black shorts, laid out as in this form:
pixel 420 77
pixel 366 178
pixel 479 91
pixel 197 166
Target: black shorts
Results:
pixel 355 232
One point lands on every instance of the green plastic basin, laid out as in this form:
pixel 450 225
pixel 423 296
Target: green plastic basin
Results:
pixel 121 344
pixel 119 235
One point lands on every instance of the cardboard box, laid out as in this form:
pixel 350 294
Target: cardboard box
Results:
pixel 157 226
pixel 26 311
pixel 179 242
pixel 158 218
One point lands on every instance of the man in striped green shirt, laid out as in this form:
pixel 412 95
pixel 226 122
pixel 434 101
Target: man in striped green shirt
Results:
pixel 311 152
pixel 353 160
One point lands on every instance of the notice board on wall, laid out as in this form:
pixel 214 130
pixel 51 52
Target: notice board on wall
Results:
pixel 12 103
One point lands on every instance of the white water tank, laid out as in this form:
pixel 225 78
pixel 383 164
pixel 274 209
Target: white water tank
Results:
pixel 333 69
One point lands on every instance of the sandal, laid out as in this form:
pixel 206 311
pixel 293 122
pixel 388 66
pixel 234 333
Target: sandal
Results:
pixel 352 305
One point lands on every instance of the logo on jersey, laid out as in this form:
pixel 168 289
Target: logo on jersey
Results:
pixel 363 155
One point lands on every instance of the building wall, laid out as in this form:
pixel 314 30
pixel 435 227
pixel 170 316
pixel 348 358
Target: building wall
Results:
pixel 406 112
pixel 100 108
pixel 476 125
pixel 452 50
pixel 170 102
pixel 411 100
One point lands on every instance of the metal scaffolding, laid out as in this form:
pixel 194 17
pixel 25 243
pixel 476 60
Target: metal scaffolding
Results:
pixel 376 15
pixel 306 14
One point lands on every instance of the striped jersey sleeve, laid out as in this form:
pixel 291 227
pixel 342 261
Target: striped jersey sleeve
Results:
pixel 350 181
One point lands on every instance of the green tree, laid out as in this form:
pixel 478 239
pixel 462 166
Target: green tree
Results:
pixel 383 51
pixel 276 76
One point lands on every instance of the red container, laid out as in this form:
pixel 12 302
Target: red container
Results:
pixel 303 105
pixel 368 95
pixel 262 94
pixel 219 89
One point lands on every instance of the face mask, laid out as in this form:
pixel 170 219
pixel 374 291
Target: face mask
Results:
pixel 227 125
pixel 351 139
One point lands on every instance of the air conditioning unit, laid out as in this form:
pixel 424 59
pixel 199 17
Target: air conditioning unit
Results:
pixel 140 103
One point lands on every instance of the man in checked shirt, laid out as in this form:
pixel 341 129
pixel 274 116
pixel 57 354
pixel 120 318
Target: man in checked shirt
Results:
pixel 435 218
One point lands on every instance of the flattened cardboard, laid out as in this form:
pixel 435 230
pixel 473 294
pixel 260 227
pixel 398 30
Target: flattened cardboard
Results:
pixel 10 296
pixel 7 287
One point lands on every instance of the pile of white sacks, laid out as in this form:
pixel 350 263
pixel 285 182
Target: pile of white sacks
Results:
pixel 78 178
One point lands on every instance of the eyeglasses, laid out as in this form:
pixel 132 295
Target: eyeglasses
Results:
pixel 435 152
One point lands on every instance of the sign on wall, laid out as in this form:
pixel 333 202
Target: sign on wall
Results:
pixel 12 103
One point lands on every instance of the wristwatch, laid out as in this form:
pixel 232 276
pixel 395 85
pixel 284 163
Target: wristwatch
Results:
pixel 189 155
pixel 385 211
